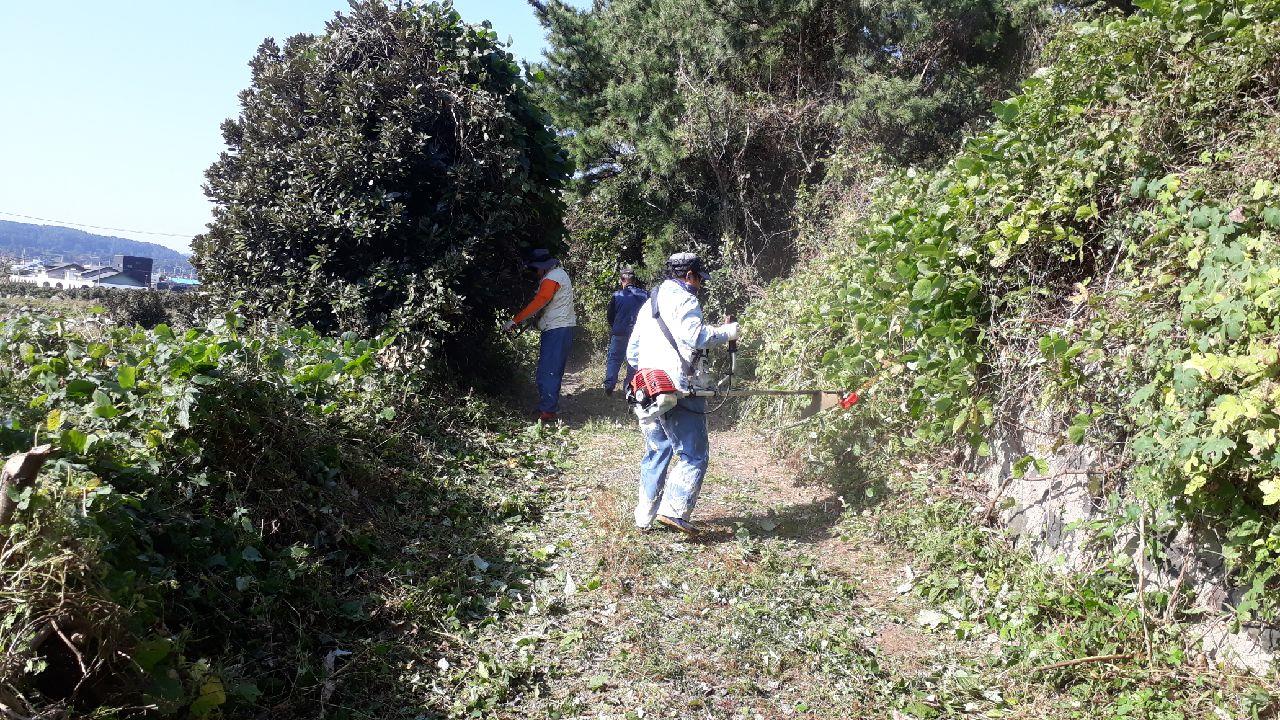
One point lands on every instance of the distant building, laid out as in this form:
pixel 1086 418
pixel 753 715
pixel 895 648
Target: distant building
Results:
pixel 126 272
pixel 138 268
pixel 69 276
pixel 177 284
pixel 27 267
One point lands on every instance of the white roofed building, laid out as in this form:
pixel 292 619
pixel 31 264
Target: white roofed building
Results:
pixel 70 276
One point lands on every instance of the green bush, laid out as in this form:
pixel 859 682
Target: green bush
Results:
pixel 385 175
pixel 150 308
pixel 1111 239
pixel 9 288
pixel 601 241
pixel 128 307
pixel 227 508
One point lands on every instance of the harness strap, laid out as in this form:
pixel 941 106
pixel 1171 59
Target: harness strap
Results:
pixel 686 366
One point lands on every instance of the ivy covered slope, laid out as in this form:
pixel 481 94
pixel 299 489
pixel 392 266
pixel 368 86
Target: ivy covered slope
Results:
pixel 233 520
pixel 1112 241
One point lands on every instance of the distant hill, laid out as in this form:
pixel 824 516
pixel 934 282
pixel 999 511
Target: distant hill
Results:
pixel 47 241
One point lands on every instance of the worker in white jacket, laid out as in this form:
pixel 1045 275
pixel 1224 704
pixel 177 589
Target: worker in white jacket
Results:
pixel 668 494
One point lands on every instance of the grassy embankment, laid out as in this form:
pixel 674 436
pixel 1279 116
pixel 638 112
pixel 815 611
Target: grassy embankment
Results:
pixel 238 521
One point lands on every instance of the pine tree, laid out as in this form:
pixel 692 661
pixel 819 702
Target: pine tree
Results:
pixel 724 110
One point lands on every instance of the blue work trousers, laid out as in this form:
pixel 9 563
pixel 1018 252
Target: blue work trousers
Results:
pixel 674 463
pixel 614 360
pixel 553 353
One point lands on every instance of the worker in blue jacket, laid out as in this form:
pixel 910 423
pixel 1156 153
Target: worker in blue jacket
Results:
pixel 623 308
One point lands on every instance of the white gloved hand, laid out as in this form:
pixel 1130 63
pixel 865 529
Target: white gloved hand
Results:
pixel 508 326
pixel 730 331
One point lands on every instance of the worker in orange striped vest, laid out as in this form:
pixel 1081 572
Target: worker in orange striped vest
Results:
pixel 552 310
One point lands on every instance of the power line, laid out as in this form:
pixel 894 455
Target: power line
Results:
pixel 97 227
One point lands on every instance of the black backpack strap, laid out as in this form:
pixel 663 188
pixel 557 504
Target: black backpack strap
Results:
pixel 686 366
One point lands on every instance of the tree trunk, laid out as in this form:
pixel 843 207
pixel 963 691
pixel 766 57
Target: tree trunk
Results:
pixel 19 472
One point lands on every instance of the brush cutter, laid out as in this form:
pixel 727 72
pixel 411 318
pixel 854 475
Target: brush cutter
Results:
pixel 820 399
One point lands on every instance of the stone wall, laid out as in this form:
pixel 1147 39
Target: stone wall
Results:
pixel 1041 508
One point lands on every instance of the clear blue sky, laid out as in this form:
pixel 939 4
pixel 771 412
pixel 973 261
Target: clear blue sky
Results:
pixel 109 111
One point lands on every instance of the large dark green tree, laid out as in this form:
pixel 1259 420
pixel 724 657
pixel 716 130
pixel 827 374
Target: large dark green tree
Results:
pixel 385 174
pixel 723 111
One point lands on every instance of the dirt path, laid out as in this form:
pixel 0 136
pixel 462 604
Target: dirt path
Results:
pixel 788 605
pixel 775 611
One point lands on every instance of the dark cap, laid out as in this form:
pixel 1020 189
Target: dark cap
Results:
pixel 541 259
pixel 627 271
pixel 681 263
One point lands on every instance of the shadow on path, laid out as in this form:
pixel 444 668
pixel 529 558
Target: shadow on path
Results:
pixel 809 522
pixel 582 398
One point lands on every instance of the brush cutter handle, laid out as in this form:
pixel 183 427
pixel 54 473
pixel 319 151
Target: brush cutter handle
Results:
pixel 733 344
pixel 733 358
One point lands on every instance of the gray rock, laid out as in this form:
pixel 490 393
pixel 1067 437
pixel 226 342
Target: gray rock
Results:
pixel 1042 510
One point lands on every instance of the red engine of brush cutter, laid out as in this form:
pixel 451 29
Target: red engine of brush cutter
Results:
pixel 649 383
pixel 652 393
pixel 849 401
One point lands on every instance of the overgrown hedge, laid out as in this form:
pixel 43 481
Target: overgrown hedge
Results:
pixel 147 308
pixel 385 175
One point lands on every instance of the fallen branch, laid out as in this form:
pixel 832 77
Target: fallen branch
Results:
pixel 1172 607
pixel 11 714
pixel 1082 661
pixel 988 513
pixel 1140 565
pixel 19 472
pixel 84 670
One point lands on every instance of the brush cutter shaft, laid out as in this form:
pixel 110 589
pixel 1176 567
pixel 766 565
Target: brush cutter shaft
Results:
pixel 726 383
pixel 751 393
pixel 819 399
